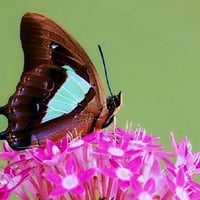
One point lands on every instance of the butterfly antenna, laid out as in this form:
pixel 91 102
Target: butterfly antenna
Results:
pixel 105 69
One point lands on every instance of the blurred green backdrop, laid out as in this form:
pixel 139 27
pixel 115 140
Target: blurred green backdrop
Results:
pixel 152 49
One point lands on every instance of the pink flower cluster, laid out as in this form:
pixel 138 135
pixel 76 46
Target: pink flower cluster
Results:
pixel 102 166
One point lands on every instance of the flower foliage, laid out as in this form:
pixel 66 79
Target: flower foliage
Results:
pixel 102 165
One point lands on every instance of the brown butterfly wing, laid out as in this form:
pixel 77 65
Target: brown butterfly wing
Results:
pixel 47 47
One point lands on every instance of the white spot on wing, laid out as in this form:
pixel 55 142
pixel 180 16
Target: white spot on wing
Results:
pixel 54 46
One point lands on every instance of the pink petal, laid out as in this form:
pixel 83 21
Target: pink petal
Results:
pixel 135 164
pixel 109 172
pixel 49 146
pixel 123 184
pixel 150 186
pixel 125 141
pixel 58 191
pixel 53 177
pixel 156 168
pixel 180 177
pixel 104 144
pixel 70 166
pixel 85 175
pixel 171 184
pixel 78 190
pixel 136 186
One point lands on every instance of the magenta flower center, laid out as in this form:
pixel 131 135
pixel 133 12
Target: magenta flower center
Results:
pixel 181 193
pixel 55 150
pixel 145 196
pixel 123 173
pixel 70 182
pixel 115 151
pixel 76 143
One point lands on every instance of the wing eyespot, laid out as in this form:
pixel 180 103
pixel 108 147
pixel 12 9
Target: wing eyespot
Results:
pixel 21 90
pixel 49 86
pixel 34 105
pixel 26 79
pixel 14 101
pixel 38 70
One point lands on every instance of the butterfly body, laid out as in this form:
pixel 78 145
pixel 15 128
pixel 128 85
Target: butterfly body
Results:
pixel 59 92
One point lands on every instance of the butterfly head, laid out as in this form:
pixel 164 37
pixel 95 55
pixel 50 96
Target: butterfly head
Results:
pixel 114 104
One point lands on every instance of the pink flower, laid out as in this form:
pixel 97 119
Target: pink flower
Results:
pixel 145 190
pixel 123 165
pixel 122 174
pixel 10 180
pixel 70 181
pixel 108 146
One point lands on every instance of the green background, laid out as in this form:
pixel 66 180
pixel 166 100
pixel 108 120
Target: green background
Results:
pixel 152 50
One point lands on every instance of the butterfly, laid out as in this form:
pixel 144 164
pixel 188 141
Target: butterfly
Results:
pixel 59 92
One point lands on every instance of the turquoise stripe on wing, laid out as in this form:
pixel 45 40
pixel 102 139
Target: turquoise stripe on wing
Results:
pixel 68 96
